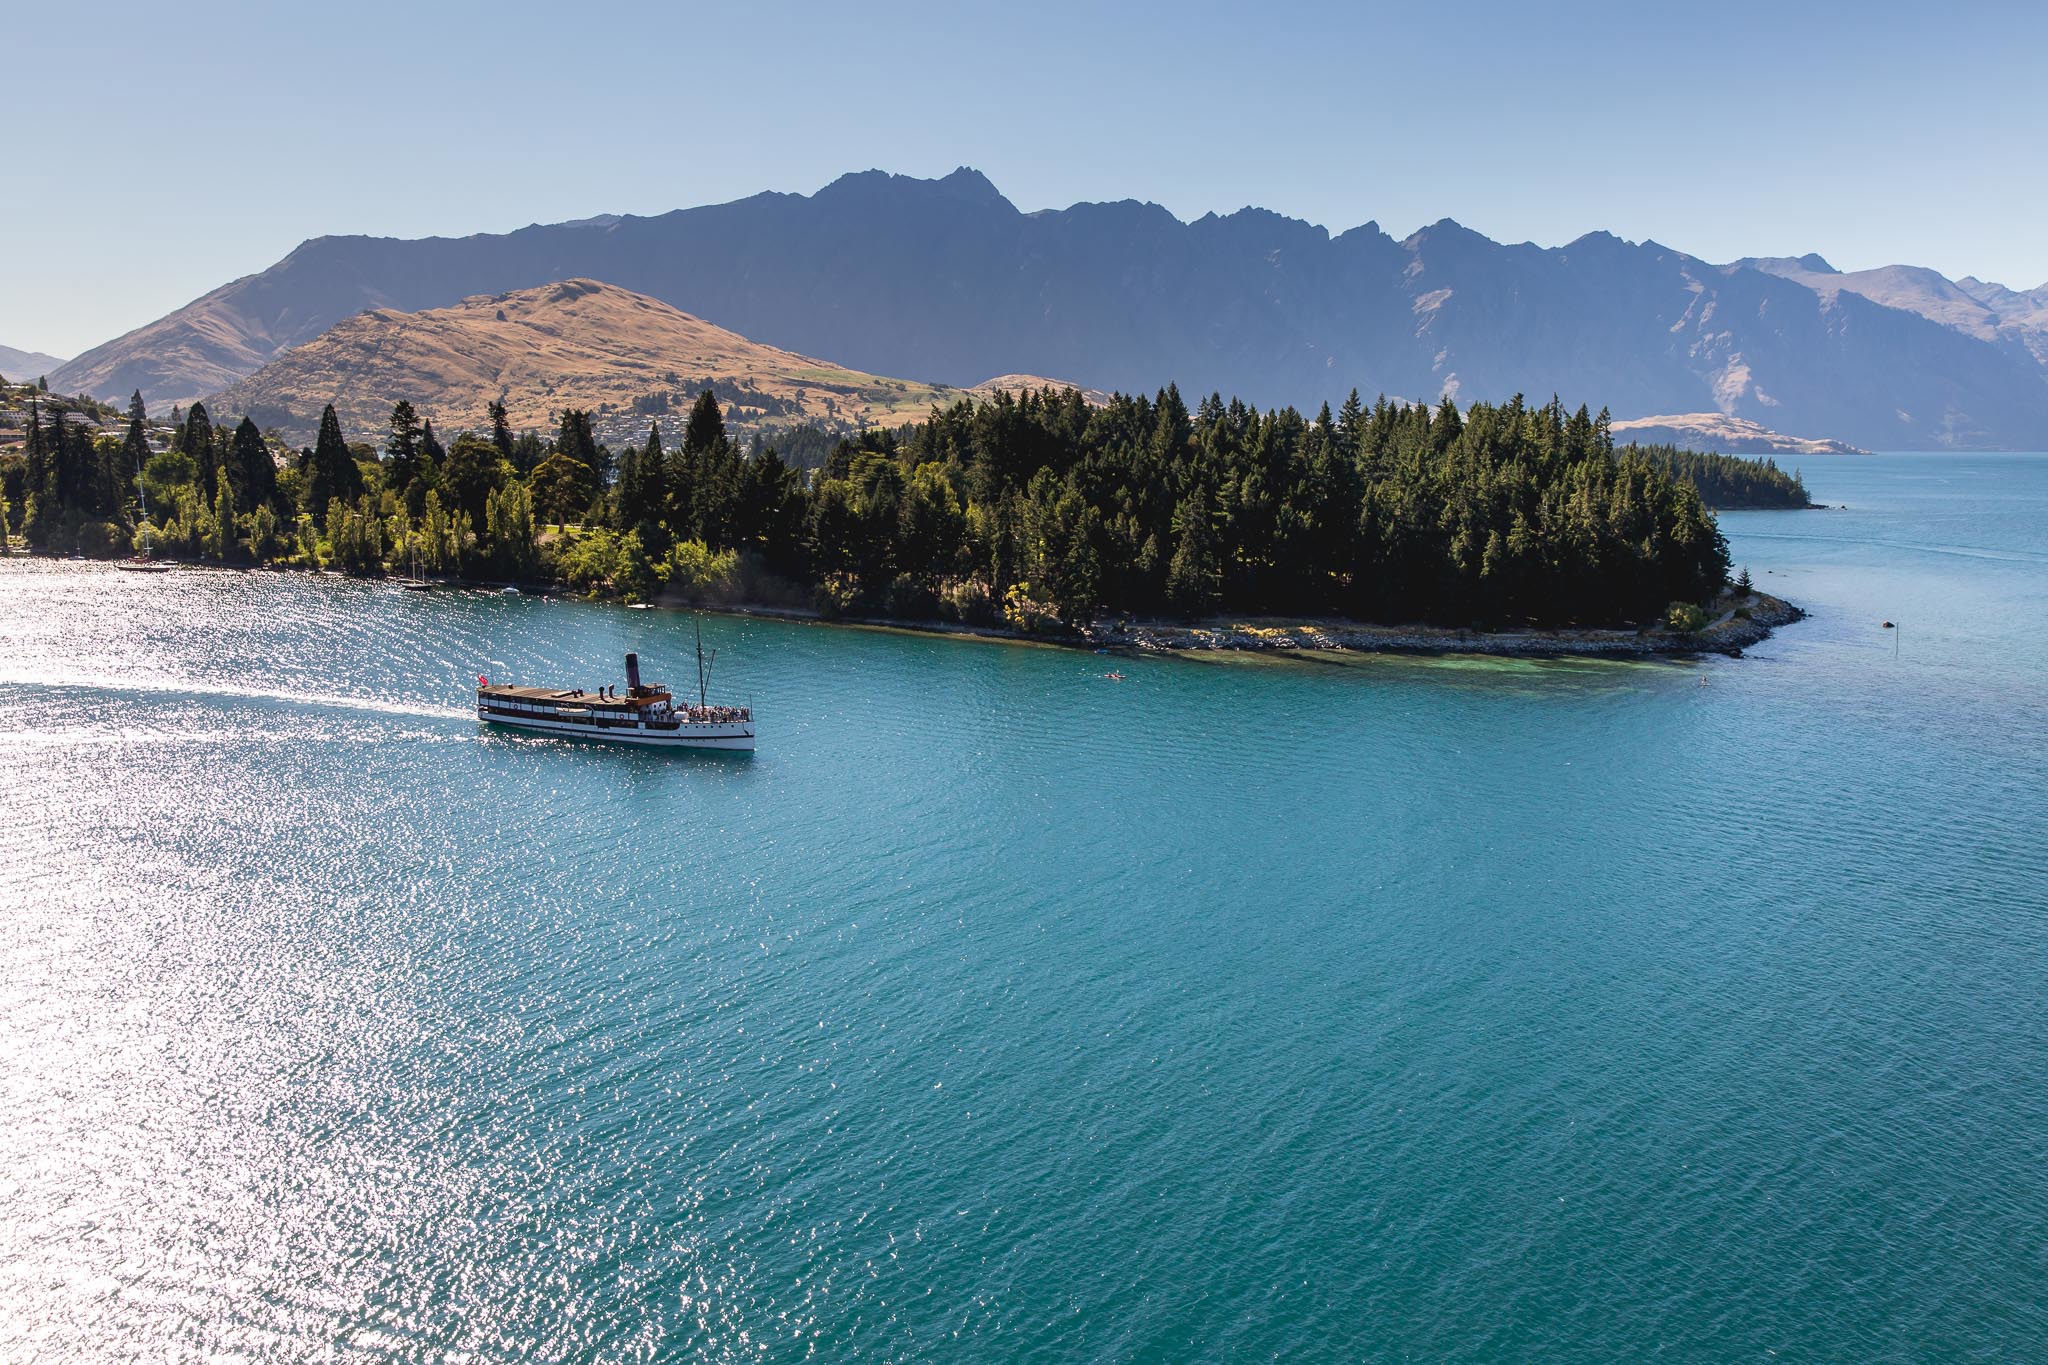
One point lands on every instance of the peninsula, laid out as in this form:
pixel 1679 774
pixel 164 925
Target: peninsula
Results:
pixel 1045 514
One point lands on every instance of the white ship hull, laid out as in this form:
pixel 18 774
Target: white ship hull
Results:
pixel 685 735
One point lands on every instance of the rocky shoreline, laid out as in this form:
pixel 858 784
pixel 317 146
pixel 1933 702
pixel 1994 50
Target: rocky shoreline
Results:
pixel 1727 633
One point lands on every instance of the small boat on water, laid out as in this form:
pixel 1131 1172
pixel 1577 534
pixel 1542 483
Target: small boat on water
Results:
pixel 646 714
pixel 413 582
pixel 141 565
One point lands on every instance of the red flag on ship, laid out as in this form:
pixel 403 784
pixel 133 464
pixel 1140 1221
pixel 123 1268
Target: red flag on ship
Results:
pixel 482 681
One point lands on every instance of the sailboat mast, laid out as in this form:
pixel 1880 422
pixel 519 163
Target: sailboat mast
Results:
pixel 703 683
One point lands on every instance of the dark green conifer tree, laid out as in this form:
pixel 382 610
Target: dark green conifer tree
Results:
pixel 331 471
pixel 431 451
pixel 706 428
pixel 64 473
pixel 1170 428
pixel 501 432
pixel 135 445
pixel 254 473
pixel 1191 577
pixel 195 438
pixel 1350 429
pixel 643 492
pixel 1446 426
pixel 402 448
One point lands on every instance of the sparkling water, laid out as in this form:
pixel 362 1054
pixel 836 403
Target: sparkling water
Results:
pixel 1332 1008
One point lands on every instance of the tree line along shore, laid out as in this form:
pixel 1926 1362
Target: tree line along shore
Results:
pixel 1036 513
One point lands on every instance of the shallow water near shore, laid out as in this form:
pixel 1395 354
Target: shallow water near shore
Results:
pixel 1366 1007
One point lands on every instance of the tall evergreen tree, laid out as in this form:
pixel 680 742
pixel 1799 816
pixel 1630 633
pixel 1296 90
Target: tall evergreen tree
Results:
pixel 1192 576
pixel 705 431
pixel 255 473
pixel 402 448
pixel 1350 428
pixel 501 431
pixel 331 470
pixel 196 440
pixel 64 473
pixel 1171 428
pixel 135 445
pixel 643 490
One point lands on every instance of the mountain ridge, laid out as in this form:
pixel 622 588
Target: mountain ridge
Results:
pixel 1989 312
pixel 945 281
pixel 19 365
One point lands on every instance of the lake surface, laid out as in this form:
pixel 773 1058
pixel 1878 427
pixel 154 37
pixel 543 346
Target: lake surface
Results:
pixel 1378 1008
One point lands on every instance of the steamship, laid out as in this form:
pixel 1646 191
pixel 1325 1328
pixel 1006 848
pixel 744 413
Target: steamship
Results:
pixel 646 714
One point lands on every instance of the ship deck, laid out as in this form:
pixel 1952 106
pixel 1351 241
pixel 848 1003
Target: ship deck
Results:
pixel 553 696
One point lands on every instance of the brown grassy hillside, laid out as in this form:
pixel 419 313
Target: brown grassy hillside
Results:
pixel 629 359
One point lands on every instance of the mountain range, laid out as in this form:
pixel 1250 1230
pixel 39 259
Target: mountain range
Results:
pixel 29 365
pixel 1990 312
pixel 627 359
pixel 945 281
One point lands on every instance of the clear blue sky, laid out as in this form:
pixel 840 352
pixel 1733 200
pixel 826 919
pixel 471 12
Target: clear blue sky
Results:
pixel 159 150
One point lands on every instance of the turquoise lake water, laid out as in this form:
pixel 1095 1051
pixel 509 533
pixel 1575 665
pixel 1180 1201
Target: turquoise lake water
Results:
pixel 1380 1008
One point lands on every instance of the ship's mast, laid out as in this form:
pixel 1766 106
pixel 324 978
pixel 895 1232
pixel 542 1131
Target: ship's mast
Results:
pixel 703 667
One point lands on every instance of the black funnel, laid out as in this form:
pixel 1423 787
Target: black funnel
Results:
pixel 632 675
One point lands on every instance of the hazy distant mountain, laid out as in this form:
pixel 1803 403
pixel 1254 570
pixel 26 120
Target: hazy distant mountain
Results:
pixel 1989 312
pixel 2025 310
pixel 945 281
pixel 628 359
pixel 26 365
